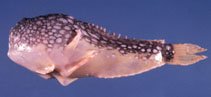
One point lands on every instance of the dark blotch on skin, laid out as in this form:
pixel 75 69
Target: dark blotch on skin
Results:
pixel 168 54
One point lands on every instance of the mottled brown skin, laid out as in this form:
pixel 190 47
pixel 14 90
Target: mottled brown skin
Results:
pixel 59 46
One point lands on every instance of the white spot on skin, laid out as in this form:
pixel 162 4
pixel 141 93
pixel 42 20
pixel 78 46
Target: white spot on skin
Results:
pixel 39 23
pixel 70 17
pixel 33 39
pixel 129 47
pixel 22 27
pixel 96 26
pixel 149 50
pixel 70 21
pixel 142 44
pixel 104 42
pixel 87 39
pixel 95 36
pixel 63 20
pixel 82 27
pixel 94 40
pixel 58 35
pixel 45 41
pixel 28 31
pixel 51 41
pixel 67 35
pixel 57 27
pixel 23 47
pixel 75 26
pixel 143 50
pixel 118 42
pixel 24 38
pixel 67 28
pixel 41 18
pixel 123 45
pixel 150 45
pixel 46 35
pixel 134 46
pixel 38 40
pixel 62 31
pixel 136 57
pixel 84 32
pixel 101 28
pixel 158 47
pixel 49 27
pixel 34 27
pixel 52 37
pixel 168 47
pixel 111 41
pixel 30 39
pixel 59 40
pixel 48 24
pixel 122 51
pixel 52 22
pixel 109 47
pixel 105 38
pixel 155 51
pixel 53 30
pixel 50 33
pixel 49 45
pixel 58 24
pixel 43 30
pixel 158 57
pixel 52 17
pixel 113 55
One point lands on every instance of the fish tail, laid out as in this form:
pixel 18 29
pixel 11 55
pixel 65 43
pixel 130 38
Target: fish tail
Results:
pixel 185 54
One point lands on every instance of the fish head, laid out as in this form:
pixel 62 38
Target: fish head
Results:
pixel 33 42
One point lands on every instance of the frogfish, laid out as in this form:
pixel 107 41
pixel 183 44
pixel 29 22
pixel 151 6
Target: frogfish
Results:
pixel 62 47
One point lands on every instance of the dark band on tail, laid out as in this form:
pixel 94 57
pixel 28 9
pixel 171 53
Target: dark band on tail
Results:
pixel 168 52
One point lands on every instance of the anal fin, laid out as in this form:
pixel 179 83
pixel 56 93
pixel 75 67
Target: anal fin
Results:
pixel 64 80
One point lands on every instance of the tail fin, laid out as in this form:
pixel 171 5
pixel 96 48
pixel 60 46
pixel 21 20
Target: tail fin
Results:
pixel 184 54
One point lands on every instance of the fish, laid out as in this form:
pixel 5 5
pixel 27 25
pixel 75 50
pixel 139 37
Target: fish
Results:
pixel 58 46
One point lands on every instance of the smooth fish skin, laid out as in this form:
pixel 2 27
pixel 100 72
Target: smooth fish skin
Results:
pixel 59 46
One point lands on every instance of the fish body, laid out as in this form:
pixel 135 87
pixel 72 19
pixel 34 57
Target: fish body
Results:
pixel 59 46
